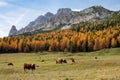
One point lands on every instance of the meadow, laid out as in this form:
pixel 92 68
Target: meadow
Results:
pixel 86 67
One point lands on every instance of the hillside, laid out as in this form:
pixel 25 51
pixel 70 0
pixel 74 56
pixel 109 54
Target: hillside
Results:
pixel 66 17
pixel 81 37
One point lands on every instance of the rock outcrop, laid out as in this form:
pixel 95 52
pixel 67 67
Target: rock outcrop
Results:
pixel 13 31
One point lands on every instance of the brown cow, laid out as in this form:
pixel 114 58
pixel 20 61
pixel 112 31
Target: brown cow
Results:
pixel 42 60
pixel 96 57
pixel 73 60
pixel 61 61
pixel 10 64
pixel 64 61
pixel 29 66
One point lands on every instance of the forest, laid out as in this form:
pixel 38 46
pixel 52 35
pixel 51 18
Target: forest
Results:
pixel 82 37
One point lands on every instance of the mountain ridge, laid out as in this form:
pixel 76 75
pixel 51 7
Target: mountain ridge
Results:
pixel 66 16
pixel 81 37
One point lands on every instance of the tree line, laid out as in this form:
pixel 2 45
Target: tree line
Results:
pixel 82 37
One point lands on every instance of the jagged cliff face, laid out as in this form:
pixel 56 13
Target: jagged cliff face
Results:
pixel 39 21
pixel 68 17
pixel 13 31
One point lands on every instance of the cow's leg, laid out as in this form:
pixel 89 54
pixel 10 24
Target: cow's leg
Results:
pixel 56 62
pixel 24 70
pixel 32 71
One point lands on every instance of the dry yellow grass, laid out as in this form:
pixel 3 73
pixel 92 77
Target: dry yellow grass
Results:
pixel 106 67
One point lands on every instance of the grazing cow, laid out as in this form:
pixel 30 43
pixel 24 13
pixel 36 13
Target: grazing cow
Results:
pixel 29 66
pixel 42 60
pixel 10 64
pixel 96 57
pixel 73 60
pixel 64 61
pixel 61 61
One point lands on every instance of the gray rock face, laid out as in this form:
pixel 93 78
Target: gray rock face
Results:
pixel 68 17
pixel 49 15
pixel 64 11
pixel 40 20
pixel 13 31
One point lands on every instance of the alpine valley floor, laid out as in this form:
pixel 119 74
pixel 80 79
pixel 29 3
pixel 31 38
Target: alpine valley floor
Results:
pixel 105 67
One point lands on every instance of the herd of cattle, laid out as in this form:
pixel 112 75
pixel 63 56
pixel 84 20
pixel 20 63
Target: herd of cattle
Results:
pixel 32 67
pixel 61 61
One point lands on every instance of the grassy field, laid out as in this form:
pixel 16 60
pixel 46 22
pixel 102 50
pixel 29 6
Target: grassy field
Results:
pixel 106 67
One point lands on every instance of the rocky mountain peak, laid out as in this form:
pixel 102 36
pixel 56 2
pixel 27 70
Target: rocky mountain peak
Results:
pixel 97 6
pixel 94 9
pixel 13 31
pixel 63 11
pixel 49 15
pixel 40 20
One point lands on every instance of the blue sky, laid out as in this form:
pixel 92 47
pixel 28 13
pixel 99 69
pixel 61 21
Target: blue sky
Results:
pixel 21 12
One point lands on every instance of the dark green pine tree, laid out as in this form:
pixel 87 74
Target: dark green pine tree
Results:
pixel 72 47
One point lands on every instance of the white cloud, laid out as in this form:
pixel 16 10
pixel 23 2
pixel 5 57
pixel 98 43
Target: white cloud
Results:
pixel 76 9
pixel 5 18
pixel 4 30
pixel 21 17
pixel 3 34
pixel 3 3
